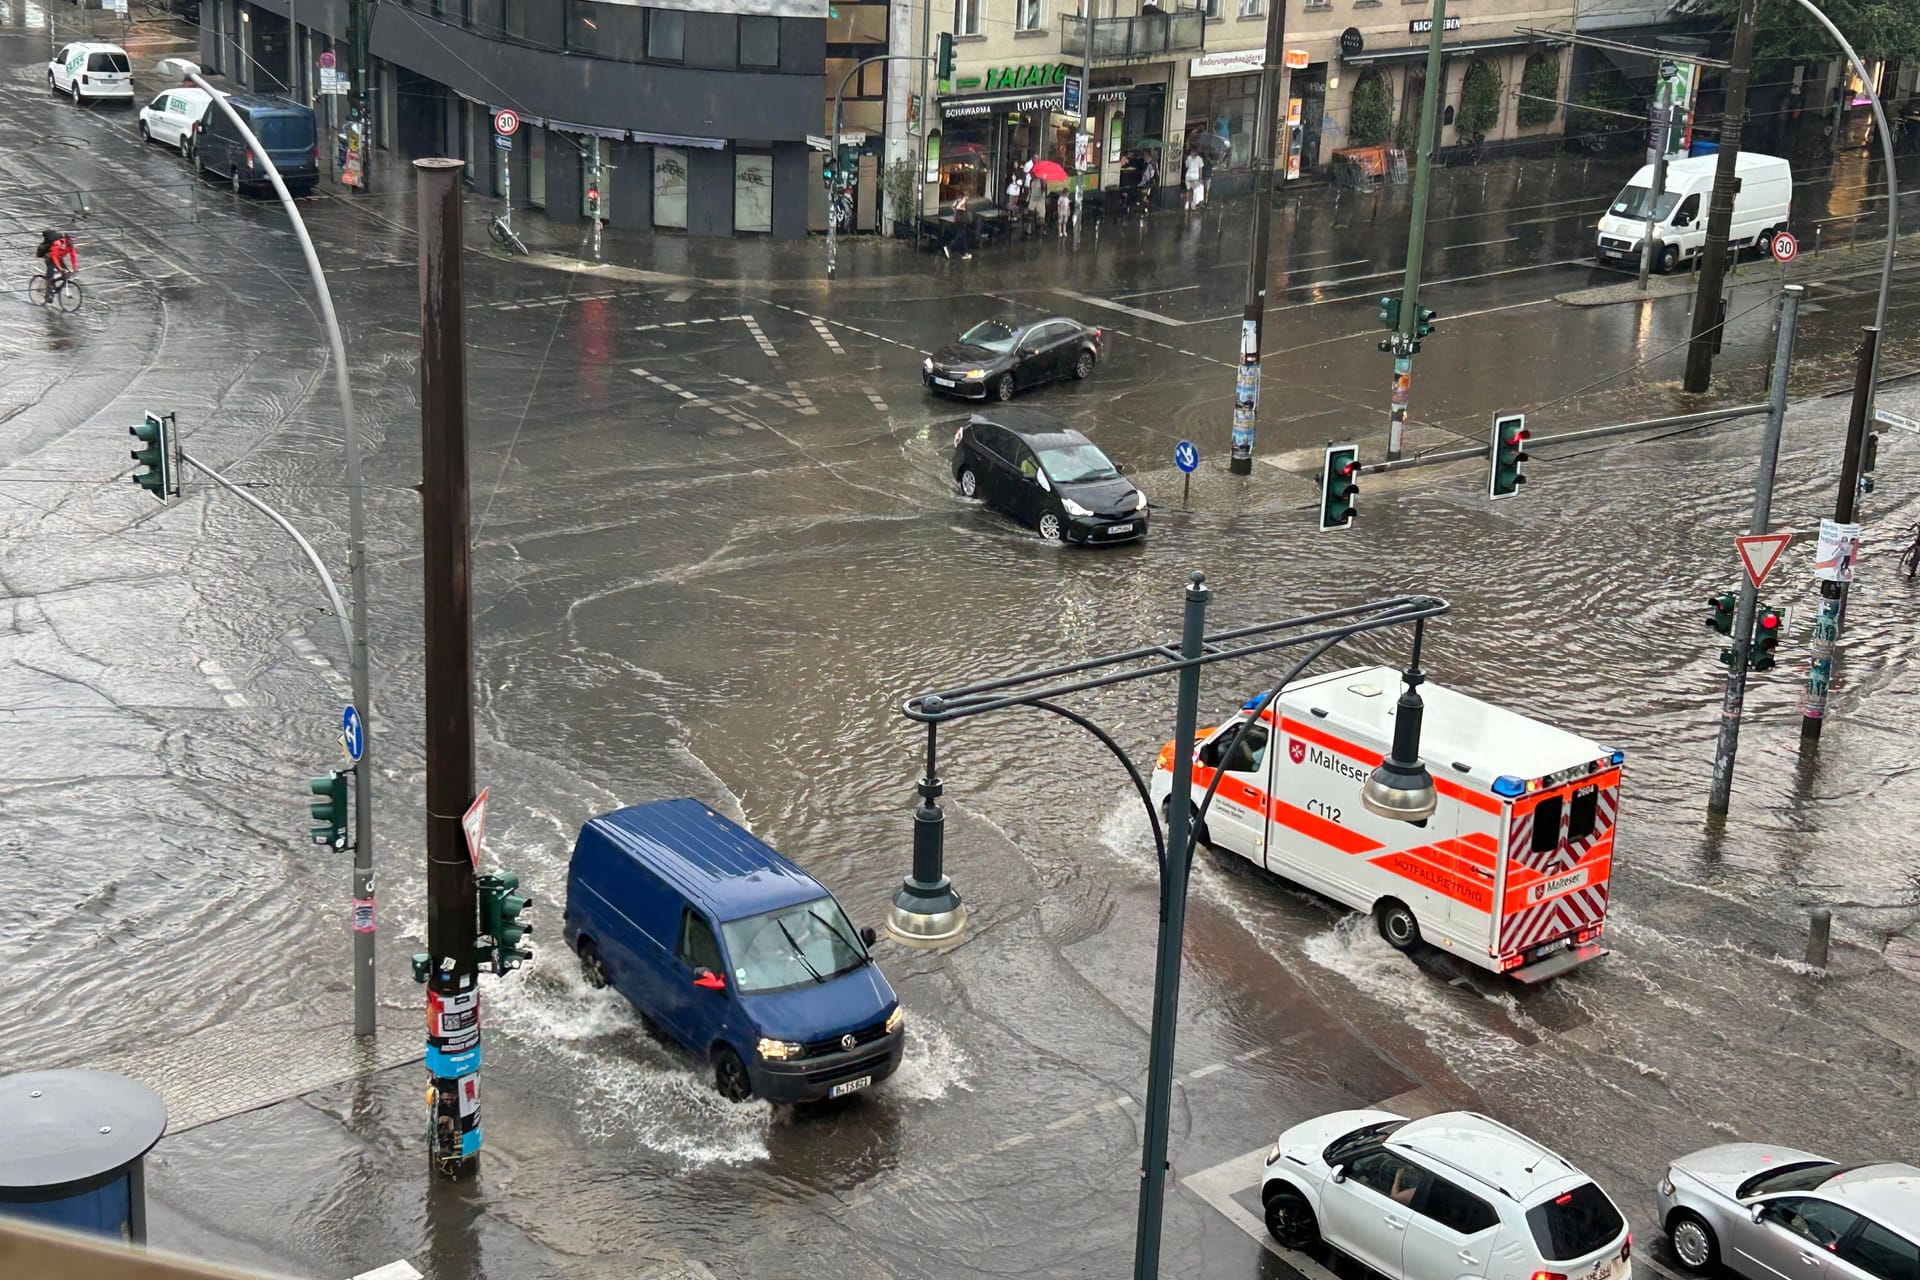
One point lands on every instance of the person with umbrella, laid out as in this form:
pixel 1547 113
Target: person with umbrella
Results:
pixel 1044 171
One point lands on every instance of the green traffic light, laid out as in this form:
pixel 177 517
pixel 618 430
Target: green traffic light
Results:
pixel 332 812
pixel 1423 322
pixel 156 457
pixel 1390 313
pixel 1723 606
pixel 501 932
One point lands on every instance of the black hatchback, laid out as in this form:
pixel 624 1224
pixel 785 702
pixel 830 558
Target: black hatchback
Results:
pixel 1045 474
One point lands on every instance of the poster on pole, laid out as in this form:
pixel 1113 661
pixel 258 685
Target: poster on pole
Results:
pixel 1839 548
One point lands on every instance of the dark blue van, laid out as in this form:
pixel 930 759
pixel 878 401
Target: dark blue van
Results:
pixel 732 950
pixel 286 129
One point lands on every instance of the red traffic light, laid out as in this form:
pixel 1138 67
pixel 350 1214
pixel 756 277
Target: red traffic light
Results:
pixel 593 193
pixel 1769 621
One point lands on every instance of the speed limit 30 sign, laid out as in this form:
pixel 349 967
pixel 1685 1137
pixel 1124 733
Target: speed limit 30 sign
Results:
pixel 1785 247
pixel 505 123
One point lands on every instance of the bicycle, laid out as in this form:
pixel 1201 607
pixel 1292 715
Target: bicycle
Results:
pixel 1910 558
pixel 501 229
pixel 66 292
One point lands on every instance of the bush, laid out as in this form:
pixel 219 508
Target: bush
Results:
pixel 1479 103
pixel 1540 89
pixel 1371 122
pixel 902 190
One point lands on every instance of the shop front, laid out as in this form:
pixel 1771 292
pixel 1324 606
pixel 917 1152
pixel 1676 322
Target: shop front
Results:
pixel 1223 99
pixel 984 137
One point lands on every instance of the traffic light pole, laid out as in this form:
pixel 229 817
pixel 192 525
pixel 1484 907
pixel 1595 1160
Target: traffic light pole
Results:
pixel 833 156
pixel 453 986
pixel 1403 338
pixel 1246 399
pixel 1709 307
pixel 1731 701
pixel 1833 595
pixel 359 118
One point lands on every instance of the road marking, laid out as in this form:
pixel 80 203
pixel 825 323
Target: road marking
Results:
pixel 1481 244
pixel 679 295
pixel 1067 1121
pixel 1148 293
pixel 682 324
pixel 780 398
pixel 850 328
pixel 800 397
pixel 1211 1068
pixel 826 336
pixel 217 677
pixel 695 400
pixel 873 398
pixel 1122 307
pixel 401 1270
pixel 760 336
pixel 1218 1185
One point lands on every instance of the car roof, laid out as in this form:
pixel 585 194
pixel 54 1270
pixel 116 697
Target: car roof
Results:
pixel 1035 426
pixel 1488 1151
pixel 1888 1192
pixel 712 861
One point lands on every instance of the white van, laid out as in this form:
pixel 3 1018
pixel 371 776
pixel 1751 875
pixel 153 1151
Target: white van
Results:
pixel 1762 197
pixel 1511 872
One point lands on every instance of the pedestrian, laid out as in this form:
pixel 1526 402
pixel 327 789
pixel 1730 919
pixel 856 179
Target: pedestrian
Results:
pixel 1064 206
pixel 1206 174
pixel 1013 193
pixel 1196 194
pixel 962 229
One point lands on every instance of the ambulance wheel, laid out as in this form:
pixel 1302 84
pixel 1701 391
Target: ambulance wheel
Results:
pixel 1193 821
pixel 1396 924
pixel 1290 1218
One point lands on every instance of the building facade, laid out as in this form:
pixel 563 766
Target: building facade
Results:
pixel 689 116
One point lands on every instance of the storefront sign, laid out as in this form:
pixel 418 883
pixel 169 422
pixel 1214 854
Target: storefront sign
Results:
pixel 1228 62
pixel 1099 96
pixel 1296 59
pixel 987 104
pixel 1352 42
pixel 1422 26
pixel 1071 92
pixel 1034 75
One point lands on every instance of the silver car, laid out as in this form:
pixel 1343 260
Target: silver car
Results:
pixel 1773 1213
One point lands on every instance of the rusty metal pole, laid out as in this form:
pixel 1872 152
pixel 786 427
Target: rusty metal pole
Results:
pixel 453 987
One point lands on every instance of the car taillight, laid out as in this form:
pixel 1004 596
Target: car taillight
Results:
pixel 957 433
pixel 1548 1275
pixel 249 160
pixel 1626 1247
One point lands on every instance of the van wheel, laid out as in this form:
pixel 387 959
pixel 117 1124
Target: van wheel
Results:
pixel 1669 259
pixel 592 967
pixel 730 1075
pixel 186 148
pixel 146 134
pixel 1290 1218
pixel 1397 925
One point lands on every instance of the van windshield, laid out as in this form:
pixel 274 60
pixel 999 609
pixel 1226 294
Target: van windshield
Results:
pixel 1632 203
pixel 288 132
pixel 792 947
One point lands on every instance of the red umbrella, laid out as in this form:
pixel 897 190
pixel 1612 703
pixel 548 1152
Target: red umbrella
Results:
pixel 1049 171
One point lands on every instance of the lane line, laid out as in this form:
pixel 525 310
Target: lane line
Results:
pixel 1122 307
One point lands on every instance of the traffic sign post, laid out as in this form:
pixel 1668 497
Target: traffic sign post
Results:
pixel 353 734
pixel 1186 456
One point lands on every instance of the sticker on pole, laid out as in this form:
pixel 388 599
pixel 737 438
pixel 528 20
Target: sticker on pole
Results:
pixel 475 825
pixel 1759 552
pixel 505 123
pixel 1785 247
pixel 1839 548
pixel 1186 455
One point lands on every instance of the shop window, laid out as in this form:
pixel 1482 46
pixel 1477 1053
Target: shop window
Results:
pixel 666 35
pixel 966 17
pixel 759 42
pixel 536 167
pixel 753 191
pixel 670 188
pixel 1026 15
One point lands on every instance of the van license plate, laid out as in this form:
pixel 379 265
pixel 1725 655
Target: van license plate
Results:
pixel 846 1087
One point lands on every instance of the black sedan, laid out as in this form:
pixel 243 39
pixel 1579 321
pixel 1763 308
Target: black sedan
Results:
pixel 1043 473
pixel 1001 360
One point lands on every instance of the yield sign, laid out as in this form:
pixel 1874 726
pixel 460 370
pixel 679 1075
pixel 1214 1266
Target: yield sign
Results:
pixel 1759 552
pixel 474 823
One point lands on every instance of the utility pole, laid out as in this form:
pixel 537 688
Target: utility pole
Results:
pixel 1665 134
pixel 360 116
pixel 453 985
pixel 1833 594
pixel 1083 141
pixel 1246 400
pixel 1173 923
pixel 1404 337
pixel 926 124
pixel 1709 307
pixel 1742 637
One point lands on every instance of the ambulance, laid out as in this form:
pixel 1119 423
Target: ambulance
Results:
pixel 1510 872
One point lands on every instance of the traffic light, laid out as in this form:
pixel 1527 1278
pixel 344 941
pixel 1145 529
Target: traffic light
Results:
pixel 331 813
pixel 1869 459
pixel 156 435
pixel 828 169
pixel 943 60
pixel 1390 313
pixel 1766 638
pixel 1723 606
pixel 501 932
pixel 1507 451
pixel 1339 485
pixel 1423 318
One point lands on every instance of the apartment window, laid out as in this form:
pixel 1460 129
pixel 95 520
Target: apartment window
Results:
pixel 966 17
pixel 666 35
pixel 1026 15
pixel 1249 8
pixel 1211 8
pixel 759 42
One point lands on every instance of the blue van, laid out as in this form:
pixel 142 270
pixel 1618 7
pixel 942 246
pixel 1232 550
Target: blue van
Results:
pixel 732 950
pixel 285 129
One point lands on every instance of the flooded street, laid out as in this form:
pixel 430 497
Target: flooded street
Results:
pixel 717 544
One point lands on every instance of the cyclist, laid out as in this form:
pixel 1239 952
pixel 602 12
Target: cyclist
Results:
pixel 57 248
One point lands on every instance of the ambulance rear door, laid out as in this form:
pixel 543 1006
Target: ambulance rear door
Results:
pixel 1559 862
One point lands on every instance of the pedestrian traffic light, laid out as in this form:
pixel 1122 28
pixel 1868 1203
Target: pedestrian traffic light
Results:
pixel 943 60
pixel 501 932
pixel 1506 452
pixel 827 168
pixel 1766 638
pixel 1339 486
pixel 1423 318
pixel 1390 313
pixel 1723 605
pixel 156 457
pixel 331 813
pixel 1869 459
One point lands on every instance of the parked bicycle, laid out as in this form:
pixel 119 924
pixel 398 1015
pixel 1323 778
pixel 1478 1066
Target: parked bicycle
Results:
pixel 501 229
pixel 66 291
pixel 1910 558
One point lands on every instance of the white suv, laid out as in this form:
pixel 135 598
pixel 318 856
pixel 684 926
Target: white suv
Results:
pixel 1447 1197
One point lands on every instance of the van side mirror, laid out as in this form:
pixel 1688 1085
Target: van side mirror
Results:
pixel 708 980
pixel 868 936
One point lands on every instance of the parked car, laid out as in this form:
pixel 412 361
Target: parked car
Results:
pixel 1045 474
pixel 732 951
pixel 1441 1198
pixel 91 73
pixel 286 129
pixel 1000 360
pixel 1774 1213
pixel 173 118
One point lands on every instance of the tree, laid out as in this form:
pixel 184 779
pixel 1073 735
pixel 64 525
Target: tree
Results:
pixel 1787 33
pixel 1540 89
pixel 1479 103
pixel 1371 121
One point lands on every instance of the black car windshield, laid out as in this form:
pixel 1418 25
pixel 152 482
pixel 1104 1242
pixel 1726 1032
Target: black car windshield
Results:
pixel 1074 463
pixel 108 62
pixel 1632 203
pixel 284 132
pixel 990 334
pixel 791 947
pixel 1792 1177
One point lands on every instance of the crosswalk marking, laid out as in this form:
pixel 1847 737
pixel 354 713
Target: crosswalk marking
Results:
pixel 826 336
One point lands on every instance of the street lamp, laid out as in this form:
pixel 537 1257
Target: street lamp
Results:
pixel 1400 787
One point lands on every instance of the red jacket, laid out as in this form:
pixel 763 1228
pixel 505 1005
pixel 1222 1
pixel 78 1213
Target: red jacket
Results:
pixel 61 254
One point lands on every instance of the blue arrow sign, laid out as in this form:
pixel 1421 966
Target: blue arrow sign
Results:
pixel 1186 456
pixel 353 733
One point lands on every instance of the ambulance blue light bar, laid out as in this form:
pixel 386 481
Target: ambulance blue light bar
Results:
pixel 1507 786
pixel 1253 703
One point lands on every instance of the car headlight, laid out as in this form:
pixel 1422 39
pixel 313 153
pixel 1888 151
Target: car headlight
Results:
pixel 1273 1152
pixel 1074 508
pixel 896 1019
pixel 926 366
pixel 974 375
pixel 776 1050
pixel 1666 1184
pixel 1139 501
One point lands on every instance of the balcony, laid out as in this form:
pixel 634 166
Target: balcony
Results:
pixel 1145 37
